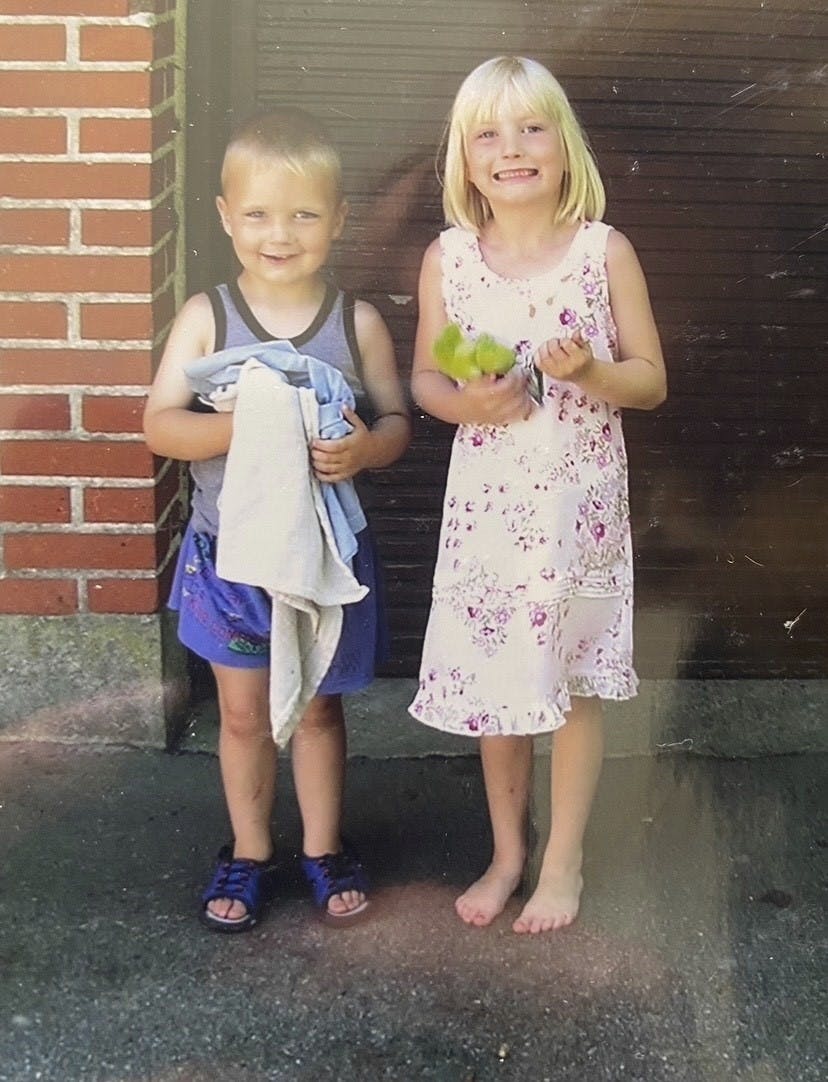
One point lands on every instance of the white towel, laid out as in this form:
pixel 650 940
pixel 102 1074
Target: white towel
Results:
pixel 274 532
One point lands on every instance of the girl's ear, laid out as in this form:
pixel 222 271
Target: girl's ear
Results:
pixel 223 214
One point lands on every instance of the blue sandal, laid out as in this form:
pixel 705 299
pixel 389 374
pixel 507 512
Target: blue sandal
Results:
pixel 334 873
pixel 250 882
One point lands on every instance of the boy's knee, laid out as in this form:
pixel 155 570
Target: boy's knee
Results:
pixel 242 721
pixel 324 714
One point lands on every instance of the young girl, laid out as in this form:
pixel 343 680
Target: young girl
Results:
pixel 531 618
pixel 282 207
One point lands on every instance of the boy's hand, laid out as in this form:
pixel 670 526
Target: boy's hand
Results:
pixel 568 359
pixel 342 459
pixel 499 400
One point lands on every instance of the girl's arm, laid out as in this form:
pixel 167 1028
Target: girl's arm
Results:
pixel 639 379
pixel 369 448
pixel 485 400
pixel 170 428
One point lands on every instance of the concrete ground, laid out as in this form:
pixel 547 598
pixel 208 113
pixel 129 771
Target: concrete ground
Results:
pixel 698 955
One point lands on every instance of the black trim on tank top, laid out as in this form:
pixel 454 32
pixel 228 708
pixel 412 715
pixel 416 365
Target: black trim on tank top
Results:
pixel 219 317
pixel 348 321
pixel 263 335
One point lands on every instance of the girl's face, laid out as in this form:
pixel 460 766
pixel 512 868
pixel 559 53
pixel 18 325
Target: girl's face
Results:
pixel 282 224
pixel 516 159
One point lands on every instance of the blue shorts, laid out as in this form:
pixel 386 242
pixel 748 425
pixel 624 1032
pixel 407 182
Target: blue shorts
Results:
pixel 228 623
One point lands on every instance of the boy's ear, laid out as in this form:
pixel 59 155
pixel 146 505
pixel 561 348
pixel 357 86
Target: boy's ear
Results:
pixel 223 214
pixel 341 215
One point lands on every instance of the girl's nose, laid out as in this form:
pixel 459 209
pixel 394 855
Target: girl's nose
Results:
pixel 512 144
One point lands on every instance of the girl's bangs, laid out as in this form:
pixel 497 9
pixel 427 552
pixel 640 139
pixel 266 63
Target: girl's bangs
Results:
pixel 511 92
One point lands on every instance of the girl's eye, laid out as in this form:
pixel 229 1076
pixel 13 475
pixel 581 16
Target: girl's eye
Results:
pixel 487 133
pixel 533 128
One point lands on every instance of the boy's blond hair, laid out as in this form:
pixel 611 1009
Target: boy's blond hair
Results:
pixel 516 81
pixel 289 136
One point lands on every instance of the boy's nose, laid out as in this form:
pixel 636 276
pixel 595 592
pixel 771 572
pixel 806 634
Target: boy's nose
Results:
pixel 280 230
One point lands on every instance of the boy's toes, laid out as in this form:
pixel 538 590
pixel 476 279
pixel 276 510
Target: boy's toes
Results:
pixel 227 908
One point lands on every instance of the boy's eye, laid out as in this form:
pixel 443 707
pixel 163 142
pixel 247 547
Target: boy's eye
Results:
pixel 307 215
pixel 255 214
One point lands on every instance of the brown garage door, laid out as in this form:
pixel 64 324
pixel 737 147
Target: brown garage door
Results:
pixel 708 122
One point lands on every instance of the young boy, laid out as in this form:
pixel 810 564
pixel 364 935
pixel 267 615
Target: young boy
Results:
pixel 282 206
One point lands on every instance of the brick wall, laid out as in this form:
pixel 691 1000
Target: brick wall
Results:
pixel 90 271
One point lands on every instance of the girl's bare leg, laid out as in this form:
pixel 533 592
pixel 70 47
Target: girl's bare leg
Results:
pixel 318 757
pixel 577 755
pixel 506 770
pixel 247 756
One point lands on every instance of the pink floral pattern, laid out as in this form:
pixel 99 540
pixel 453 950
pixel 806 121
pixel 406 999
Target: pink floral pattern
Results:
pixel 532 599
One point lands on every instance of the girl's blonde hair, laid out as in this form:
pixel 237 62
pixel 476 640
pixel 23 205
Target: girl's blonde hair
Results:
pixel 289 136
pixel 517 82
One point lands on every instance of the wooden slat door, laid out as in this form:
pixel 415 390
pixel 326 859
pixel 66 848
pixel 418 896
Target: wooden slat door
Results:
pixel 708 121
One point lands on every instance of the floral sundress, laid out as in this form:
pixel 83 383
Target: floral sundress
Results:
pixel 532 596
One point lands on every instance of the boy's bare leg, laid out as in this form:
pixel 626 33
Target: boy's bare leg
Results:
pixel 318 757
pixel 507 762
pixel 247 756
pixel 577 755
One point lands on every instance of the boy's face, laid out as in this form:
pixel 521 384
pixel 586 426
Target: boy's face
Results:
pixel 282 224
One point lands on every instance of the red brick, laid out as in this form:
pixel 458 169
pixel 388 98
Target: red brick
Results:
pixel 33 319
pixel 124 595
pixel 116 321
pixel 58 366
pixel 32 42
pixel 119 321
pixel 116 135
pixel 56 89
pixel 127 228
pixel 119 505
pixel 66 7
pixel 40 226
pixel 34 504
pixel 116 43
pixel 38 597
pixel 78 180
pixel 44 411
pixel 76 458
pixel 102 413
pixel 33 134
pixel 77 273
pixel 122 552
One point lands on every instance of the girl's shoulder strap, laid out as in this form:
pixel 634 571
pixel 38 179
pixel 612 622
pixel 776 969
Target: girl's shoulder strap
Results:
pixel 594 238
pixel 455 240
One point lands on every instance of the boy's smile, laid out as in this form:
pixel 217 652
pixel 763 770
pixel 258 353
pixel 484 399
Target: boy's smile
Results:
pixel 282 224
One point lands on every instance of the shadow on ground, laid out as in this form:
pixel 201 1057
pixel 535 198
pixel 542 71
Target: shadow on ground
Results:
pixel 695 958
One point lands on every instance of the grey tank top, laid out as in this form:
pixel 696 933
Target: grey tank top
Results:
pixel 331 337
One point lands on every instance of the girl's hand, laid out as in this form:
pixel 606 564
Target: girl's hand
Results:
pixel 340 460
pixel 498 400
pixel 568 359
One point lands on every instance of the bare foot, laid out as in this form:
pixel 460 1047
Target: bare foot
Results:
pixel 487 896
pixel 554 904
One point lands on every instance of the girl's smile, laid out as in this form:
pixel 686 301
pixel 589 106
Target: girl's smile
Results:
pixel 514 156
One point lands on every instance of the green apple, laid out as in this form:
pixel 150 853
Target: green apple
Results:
pixel 455 354
pixel 493 356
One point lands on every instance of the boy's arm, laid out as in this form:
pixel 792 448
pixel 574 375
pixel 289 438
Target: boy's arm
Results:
pixel 369 448
pixel 170 428
pixel 485 400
